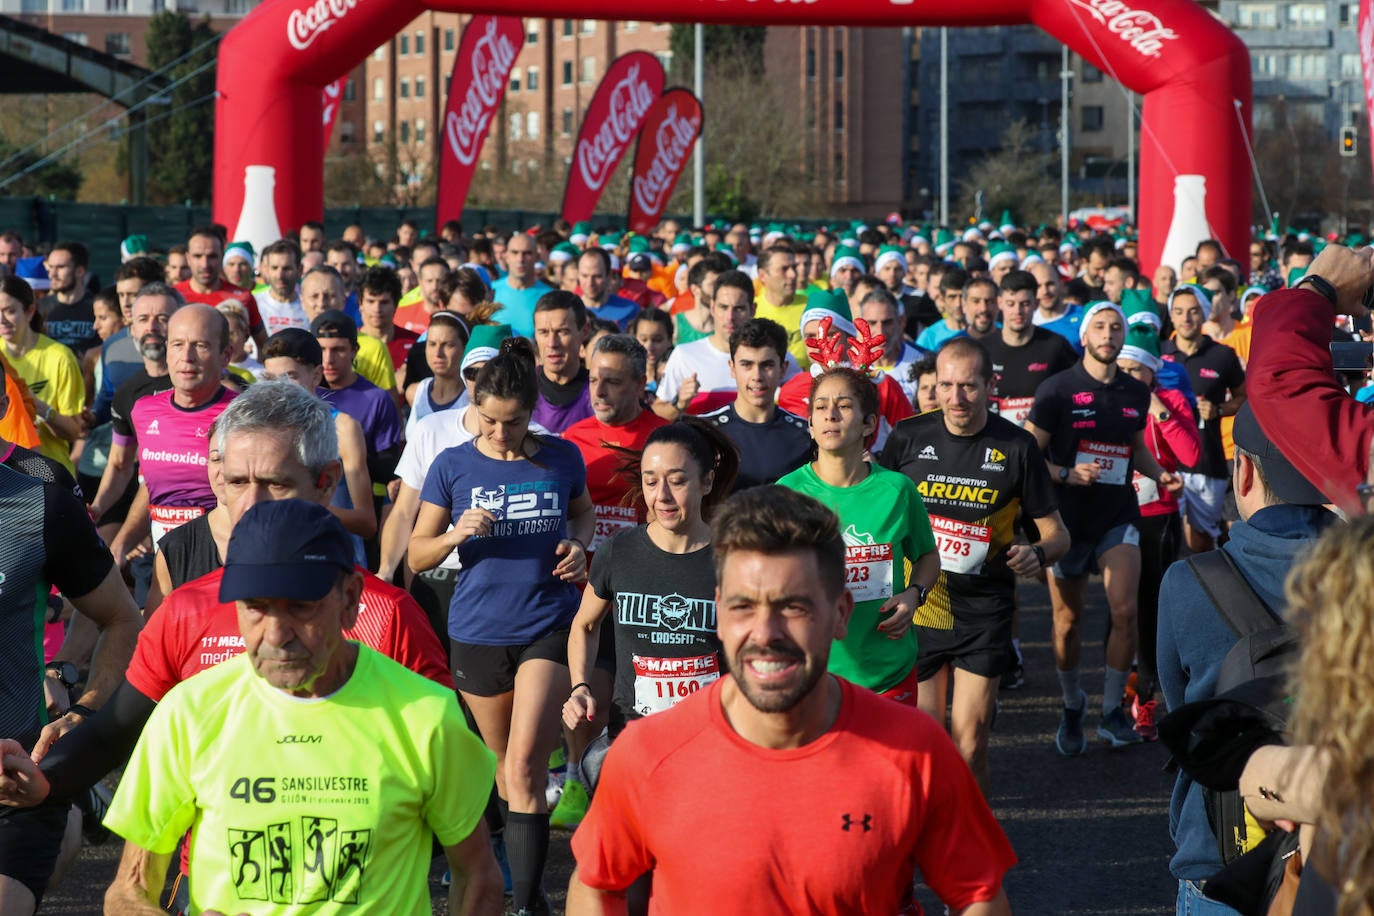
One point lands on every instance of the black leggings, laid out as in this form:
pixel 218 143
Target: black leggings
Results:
pixel 1160 537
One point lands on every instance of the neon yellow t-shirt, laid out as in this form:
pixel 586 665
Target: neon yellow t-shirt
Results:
pixel 54 376
pixel 373 362
pixel 789 316
pixel 319 806
pixel 412 297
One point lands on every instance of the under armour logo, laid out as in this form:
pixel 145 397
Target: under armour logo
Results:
pixel 866 823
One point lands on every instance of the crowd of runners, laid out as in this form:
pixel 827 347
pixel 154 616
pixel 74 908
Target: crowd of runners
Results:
pixel 350 553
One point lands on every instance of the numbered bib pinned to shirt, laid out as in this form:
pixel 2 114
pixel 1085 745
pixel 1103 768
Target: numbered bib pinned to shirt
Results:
pixel 660 683
pixel 1112 461
pixel 963 546
pixel 1146 489
pixel 868 571
pixel 610 521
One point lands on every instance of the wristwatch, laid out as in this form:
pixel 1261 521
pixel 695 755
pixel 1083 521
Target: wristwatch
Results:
pixel 1063 473
pixel 1320 285
pixel 65 672
pixel 1039 554
pixel 1163 416
pixel 922 593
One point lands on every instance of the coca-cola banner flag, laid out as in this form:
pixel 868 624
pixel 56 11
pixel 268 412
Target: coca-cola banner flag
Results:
pixel 629 89
pixel 333 93
pixel 481 73
pixel 670 131
pixel 1367 58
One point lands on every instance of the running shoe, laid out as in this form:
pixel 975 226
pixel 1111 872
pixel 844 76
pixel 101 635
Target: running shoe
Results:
pixel 498 849
pixel 1014 679
pixel 553 789
pixel 1118 729
pixel 1144 715
pixel 572 806
pixel 94 802
pixel 1070 739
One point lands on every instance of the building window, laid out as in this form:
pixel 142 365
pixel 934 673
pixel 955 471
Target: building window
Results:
pixel 379 53
pixel 632 25
pixel 1091 74
pixel 419 130
pixel 1092 117
pixel 567 28
pixel 532 79
pixel 588 26
pixel 73 6
pixel 1307 16
pixel 810 63
pixel 567 122
pixel 1268 65
pixel 378 131
pixel 117 43
pixel 405 88
pixel 515 81
pixel 350 90
pixel 378 89
pixel 839 64
pixel 405 46
pixel 567 73
pixel 419 44
pixel 448 39
pixel 1347 13
pixel 75 37
pixel 839 168
pixel 532 125
pixel 588 69
pixel 1350 66
pixel 839 115
pixel 116 6
pixel 1307 66
pixel 346 133
pixel 532 33
pixel 1257 16
pixel 419 87
pixel 405 131
pixel 517 123
pixel 232 7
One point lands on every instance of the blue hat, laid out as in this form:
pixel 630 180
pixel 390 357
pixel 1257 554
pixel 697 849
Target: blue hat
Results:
pixel 32 272
pixel 288 549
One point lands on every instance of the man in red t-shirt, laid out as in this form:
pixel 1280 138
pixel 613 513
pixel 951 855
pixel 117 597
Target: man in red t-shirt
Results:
pixel 378 294
pixel 903 799
pixel 205 255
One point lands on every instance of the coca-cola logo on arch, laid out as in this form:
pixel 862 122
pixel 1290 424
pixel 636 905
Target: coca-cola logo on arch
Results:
pixel 493 55
pixel 629 101
pixel 1142 30
pixel 671 143
pixel 309 23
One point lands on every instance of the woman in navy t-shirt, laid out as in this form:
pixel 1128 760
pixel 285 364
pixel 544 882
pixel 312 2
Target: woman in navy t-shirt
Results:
pixel 521 519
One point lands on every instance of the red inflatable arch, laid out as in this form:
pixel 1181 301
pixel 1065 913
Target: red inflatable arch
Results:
pixel 1193 72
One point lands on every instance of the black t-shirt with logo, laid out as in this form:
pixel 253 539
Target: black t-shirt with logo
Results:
pixel 1215 371
pixel 663 609
pixel 767 451
pixel 1019 370
pixel 973 488
pixel 1090 421
pixel 70 324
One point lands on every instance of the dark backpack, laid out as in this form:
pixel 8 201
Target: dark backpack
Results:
pixel 1249 707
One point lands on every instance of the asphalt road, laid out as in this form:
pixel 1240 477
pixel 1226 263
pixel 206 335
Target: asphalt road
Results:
pixel 1091 833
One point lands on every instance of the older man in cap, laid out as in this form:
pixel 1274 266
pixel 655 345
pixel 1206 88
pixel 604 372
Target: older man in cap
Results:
pixel 313 769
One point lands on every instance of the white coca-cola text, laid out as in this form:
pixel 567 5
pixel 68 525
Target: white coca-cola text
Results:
pixel 331 101
pixel 305 25
pixel 674 138
pixel 492 57
pixel 1141 30
pixel 602 148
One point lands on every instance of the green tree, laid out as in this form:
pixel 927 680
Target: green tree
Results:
pixel 60 178
pixel 180 147
pixel 1014 178
pixel 738 46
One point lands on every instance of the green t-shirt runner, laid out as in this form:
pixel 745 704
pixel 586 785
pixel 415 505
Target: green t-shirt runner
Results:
pixel 885 529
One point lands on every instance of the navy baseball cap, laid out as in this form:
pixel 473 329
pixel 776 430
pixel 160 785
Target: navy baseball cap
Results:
pixel 1285 481
pixel 287 548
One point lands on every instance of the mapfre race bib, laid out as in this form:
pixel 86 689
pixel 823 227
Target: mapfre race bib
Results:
pixel 610 521
pixel 163 519
pixel 963 546
pixel 1112 460
pixel 868 571
pixel 1015 409
pixel 660 683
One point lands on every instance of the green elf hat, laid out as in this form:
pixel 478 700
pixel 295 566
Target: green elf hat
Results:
pixel 682 244
pixel 1002 251
pixel 1139 309
pixel 581 233
pixel 832 304
pixel 485 343
pixel 638 243
pixel 132 247
pixel 889 253
pixel 563 252
pixel 1142 346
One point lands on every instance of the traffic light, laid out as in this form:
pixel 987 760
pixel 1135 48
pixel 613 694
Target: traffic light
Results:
pixel 1347 141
